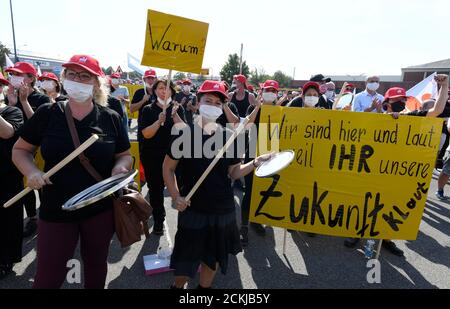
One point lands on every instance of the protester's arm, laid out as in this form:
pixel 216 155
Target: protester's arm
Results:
pixel 231 117
pixel 238 171
pixel 134 107
pixel 24 92
pixel 123 163
pixel 439 107
pixel 23 158
pixel 169 167
pixel 6 129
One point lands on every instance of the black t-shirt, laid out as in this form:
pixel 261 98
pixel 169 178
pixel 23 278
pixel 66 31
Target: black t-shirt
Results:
pixel 243 105
pixel 159 143
pixel 215 195
pixel 61 98
pixel 48 129
pixel 188 97
pixel 138 96
pixel 8 171
pixel 297 102
pixel 115 105
pixel 36 99
pixel 222 120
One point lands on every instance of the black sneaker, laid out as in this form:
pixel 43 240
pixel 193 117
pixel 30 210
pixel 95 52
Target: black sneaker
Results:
pixel 258 228
pixel 244 236
pixel 30 228
pixel 392 248
pixel 351 242
pixel 158 228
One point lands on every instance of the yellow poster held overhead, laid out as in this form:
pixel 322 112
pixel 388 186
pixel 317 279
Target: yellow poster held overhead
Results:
pixel 174 42
pixel 359 175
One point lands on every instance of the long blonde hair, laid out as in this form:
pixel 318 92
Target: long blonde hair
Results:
pixel 101 91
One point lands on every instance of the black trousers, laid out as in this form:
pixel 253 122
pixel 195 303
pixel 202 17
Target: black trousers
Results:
pixel 152 163
pixel 245 208
pixel 11 224
pixel 29 202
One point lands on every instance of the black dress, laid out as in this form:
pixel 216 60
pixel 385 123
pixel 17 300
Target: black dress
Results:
pixel 11 183
pixel 207 230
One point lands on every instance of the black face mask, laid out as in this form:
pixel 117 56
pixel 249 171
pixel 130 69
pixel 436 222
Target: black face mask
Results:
pixel 398 107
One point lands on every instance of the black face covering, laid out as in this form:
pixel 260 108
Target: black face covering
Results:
pixel 398 107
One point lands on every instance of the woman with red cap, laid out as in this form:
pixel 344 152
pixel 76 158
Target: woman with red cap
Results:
pixel 310 97
pixel 24 95
pixel 59 230
pixel 11 183
pixel 241 97
pixel 51 87
pixel 155 125
pixel 207 230
pixel 187 100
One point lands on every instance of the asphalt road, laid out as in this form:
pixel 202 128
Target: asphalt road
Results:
pixel 320 262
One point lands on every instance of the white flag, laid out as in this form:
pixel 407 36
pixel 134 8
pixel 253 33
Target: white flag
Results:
pixel 9 63
pixel 423 91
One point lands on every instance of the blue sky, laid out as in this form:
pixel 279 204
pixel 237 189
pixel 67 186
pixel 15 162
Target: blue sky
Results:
pixel 330 37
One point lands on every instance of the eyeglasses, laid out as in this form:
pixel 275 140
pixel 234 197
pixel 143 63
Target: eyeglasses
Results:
pixel 82 76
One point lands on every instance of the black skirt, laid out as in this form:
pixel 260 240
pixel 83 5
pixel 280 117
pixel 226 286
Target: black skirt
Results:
pixel 204 238
pixel 11 223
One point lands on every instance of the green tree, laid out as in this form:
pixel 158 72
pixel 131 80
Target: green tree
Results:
pixel 258 76
pixel 179 76
pixel 283 79
pixel 231 68
pixel 3 52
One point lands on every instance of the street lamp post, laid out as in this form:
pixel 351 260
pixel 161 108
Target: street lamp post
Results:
pixel 14 33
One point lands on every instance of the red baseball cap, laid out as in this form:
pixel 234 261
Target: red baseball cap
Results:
pixel 240 78
pixel 186 82
pixel 394 93
pixel 3 80
pixel 311 85
pixel 150 73
pixel 22 68
pixel 216 87
pixel 271 84
pixel 115 76
pixel 48 75
pixel 351 85
pixel 87 63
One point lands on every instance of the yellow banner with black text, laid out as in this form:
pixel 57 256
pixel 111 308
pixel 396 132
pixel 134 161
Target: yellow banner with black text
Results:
pixel 357 175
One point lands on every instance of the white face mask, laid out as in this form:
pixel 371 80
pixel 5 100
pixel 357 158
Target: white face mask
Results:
pixel 16 81
pixel 373 86
pixel 48 85
pixel 148 85
pixel 330 95
pixel 187 88
pixel 210 112
pixel 77 91
pixel 311 101
pixel 269 97
pixel 161 101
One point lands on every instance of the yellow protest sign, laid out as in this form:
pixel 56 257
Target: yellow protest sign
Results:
pixel 357 175
pixel 174 42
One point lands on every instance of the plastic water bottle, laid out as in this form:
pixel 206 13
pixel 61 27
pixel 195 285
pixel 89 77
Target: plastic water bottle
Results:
pixel 369 248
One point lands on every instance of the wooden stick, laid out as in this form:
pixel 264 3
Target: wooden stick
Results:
pixel 336 102
pixel 55 169
pixel 379 250
pixel 217 158
pixel 284 241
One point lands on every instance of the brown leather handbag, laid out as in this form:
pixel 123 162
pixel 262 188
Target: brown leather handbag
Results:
pixel 131 209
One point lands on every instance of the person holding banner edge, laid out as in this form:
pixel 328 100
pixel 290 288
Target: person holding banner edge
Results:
pixel 59 231
pixel 207 230
pixel 394 103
